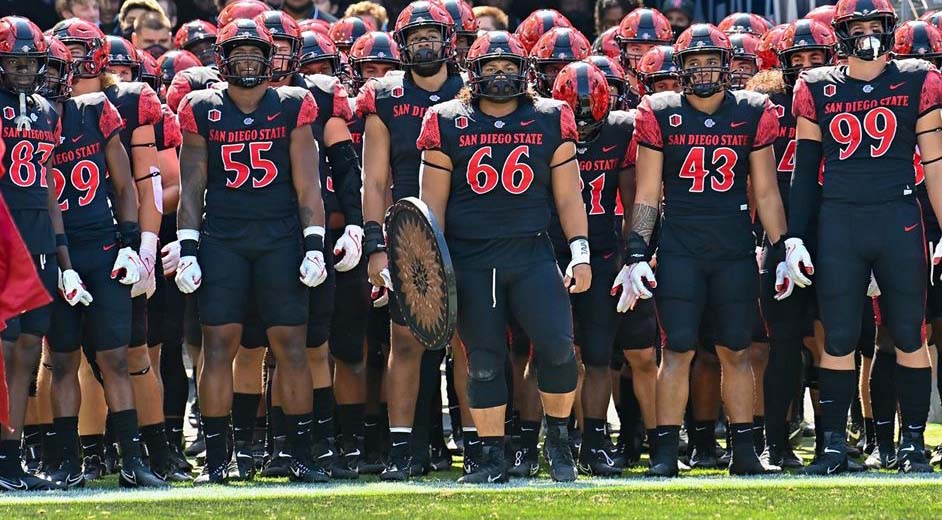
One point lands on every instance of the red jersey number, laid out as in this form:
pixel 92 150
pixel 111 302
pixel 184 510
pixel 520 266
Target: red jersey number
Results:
pixel 848 131
pixel 786 164
pixel 244 171
pixel 723 163
pixel 27 163
pixel 85 178
pixel 516 176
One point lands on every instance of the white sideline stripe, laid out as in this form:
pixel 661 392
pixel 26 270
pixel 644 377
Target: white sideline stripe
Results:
pixel 379 488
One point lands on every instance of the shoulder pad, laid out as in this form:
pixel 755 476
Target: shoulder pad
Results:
pixel 288 92
pixel 664 101
pixel 321 82
pixel 621 118
pixel 911 65
pixel 818 74
pixel 750 98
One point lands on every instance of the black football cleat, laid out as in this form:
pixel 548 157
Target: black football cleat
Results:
pixel 93 467
pixel 558 453
pixel 15 479
pixel 326 457
pixel 749 464
pixel 178 459
pixel 215 475
pixel 278 466
pixel 703 458
pixel 303 470
pixel 135 474
pixel 398 469
pixel 525 463
pixel 662 469
pixel 244 467
pixel 884 457
pixel 912 454
pixel 198 446
pixel 371 464
pixel 783 457
pixel 440 458
pixel 490 468
pixel 832 460
pixel 69 475
pixel 597 463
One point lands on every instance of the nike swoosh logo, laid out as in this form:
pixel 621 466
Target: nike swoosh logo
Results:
pixel 829 450
pixel 272 117
pixel 354 453
pixel 832 470
pixel 283 455
pixel 330 453
pixel 527 429
pixel 495 478
pixel 526 123
pixel 77 139
pixel 17 485
pixel 305 423
pixel 319 421
pixel 606 149
pixel 397 444
pixel 701 428
pixel 737 124
pixel 470 443
pixel 909 448
pixel 108 247
pixel 213 435
pixel 827 401
pixel 897 85
pixel 881 423
pixel 910 228
pixel 662 434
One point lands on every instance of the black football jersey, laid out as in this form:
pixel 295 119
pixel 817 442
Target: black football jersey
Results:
pixel 167 131
pixel 705 170
pixel 599 165
pixel 248 160
pixel 868 128
pixel 138 105
pixel 501 180
pixel 401 104
pixel 355 126
pixel 89 121
pixel 190 80
pixel 24 157
pixel 784 145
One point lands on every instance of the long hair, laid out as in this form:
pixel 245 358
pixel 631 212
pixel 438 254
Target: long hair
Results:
pixel 767 82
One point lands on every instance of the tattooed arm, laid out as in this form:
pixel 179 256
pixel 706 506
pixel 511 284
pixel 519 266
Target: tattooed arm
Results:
pixel 647 200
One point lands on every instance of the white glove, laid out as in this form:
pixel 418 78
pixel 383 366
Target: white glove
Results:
pixel 148 255
pixel 580 254
pixel 313 270
pixel 379 296
pixel 798 259
pixel 937 254
pixel 351 245
pixel 189 275
pixel 73 289
pixel 783 284
pixel 128 266
pixel 170 255
pixel 873 290
pixel 632 280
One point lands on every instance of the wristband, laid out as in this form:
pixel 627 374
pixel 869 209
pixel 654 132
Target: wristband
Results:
pixel 61 240
pixel 374 240
pixel 579 250
pixel 189 241
pixel 149 242
pixel 314 238
pixel 129 235
pixel 637 249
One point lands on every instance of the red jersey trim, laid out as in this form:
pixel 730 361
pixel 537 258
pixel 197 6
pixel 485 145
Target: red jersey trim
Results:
pixel 366 101
pixel 803 103
pixel 647 130
pixel 110 120
pixel 148 107
pixel 430 138
pixel 177 91
pixel 341 106
pixel 931 96
pixel 767 131
pixel 186 119
pixel 308 112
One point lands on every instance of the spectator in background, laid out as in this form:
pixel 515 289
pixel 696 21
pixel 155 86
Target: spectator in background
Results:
pixel 513 19
pixel 490 18
pixel 371 12
pixel 152 33
pixel 679 13
pixel 608 13
pixel 108 13
pixel 170 9
pixel 84 9
pixel 326 10
pixel 579 13
pixel 131 10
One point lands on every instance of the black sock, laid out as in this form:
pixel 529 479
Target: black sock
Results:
pixel 883 393
pixel 216 432
pixel 299 434
pixel 667 444
pixel 493 442
pixel 758 433
pixel 529 433
pixel 49 446
pixel 350 417
pixel 914 387
pixel 837 391
pixel 125 430
pixel 155 438
pixel 32 435
pixel 323 426
pixel 702 435
pixel 173 427
pixel 372 433
pixel 93 445
pixel 870 433
pixel 593 433
pixel 782 381
pixel 400 443
pixel 740 435
pixel 10 460
pixel 556 425
pixel 818 433
pixel 244 408
pixel 66 429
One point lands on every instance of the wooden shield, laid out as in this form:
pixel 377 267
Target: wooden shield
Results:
pixel 422 275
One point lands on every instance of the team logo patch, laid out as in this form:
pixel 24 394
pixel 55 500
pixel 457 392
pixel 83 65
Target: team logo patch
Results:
pixel 709 123
pixel 830 90
pixel 434 98
pixel 8 113
pixel 397 92
pixel 461 122
pixel 248 121
pixel 214 115
pixel 498 124
pixel 675 120
pixel 779 111
pixel 868 89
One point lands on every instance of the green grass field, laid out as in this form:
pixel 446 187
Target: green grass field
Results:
pixel 696 494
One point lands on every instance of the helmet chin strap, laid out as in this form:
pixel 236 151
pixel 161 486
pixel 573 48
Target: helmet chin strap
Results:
pixel 22 121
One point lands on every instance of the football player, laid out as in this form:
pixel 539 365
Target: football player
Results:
pixel 744 65
pixel 556 48
pixel 248 146
pixel 197 37
pixel 638 32
pixel 536 24
pixel 96 175
pixel 703 144
pixel 393 106
pixel 864 120
pixel 466 27
pixel 31 131
pixel 504 262
pixel 657 71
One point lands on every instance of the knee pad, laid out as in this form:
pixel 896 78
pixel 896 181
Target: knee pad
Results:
pixel 840 342
pixel 683 340
pixel 486 384
pixel 907 338
pixel 345 350
pixel 556 369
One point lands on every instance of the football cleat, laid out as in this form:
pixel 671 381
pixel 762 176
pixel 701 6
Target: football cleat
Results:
pixel 19 480
pixel 278 466
pixel 327 458
pixel 244 462
pixel 216 475
pixel 525 463
pixel 135 474
pixel 912 454
pixel 558 453
pixel 178 459
pixel 784 457
pixel 490 469
pixel 597 463
pixel 93 466
pixel 69 475
pixel 371 464
pixel 198 446
pixel 399 468
pixel 751 465
pixel 832 460
pixel 703 458
pixel 664 469
pixel 303 470
pixel 884 458
pixel 440 459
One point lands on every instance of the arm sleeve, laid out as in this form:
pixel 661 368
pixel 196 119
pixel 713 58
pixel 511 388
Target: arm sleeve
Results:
pixel 430 138
pixel 767 131
pixel 345 172
pixel 647 130
pixel 805 192
pixel 931 96
pixel 803 103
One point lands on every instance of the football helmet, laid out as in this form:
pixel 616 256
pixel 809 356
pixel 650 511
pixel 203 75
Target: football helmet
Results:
pixel 283 27
pixel 702 38
pixel 22 41
pixel 657 65
pixel 317 47
pixel 57 83
pixel 422 57
pixel 122 53
pixel 767 53
pixel 537 23
pixel 241 32
pixel 557 47
pixel 864 46
pixel 497 87
pixel 918 39
pixel 744 64
pixel 375 47
pixel 744 23
pixel 197 36
pixel 804 35
pixel 585 89
pixel 645 27
pixel 94 60
pixel 617 84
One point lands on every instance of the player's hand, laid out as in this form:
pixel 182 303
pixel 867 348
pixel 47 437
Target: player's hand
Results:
pixel 73 289
pixel 626 299
pixel 148 255
pixel 798 260
pixel 189 275
pixel 783 284
pixel 127 266
pixel 378 262
pixel 578 278
pixel 313 270
pixel 379 296
pixel 351 245
pixel 170 257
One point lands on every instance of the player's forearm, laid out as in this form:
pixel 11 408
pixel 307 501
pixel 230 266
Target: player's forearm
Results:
pixel 119 169
pixel 771 214
pixel 58 227
pixel 345 171
pixel 934 187
pixel 192 183
pixel 804 193
pixel 626 189
pixel 149 215
pixel 572 215
pixel 374 199
pixel 310 208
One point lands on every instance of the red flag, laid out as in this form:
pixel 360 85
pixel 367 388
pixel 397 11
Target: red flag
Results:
pixel 20 287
